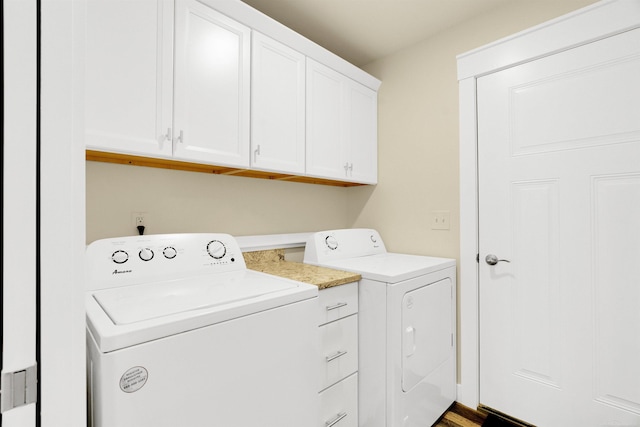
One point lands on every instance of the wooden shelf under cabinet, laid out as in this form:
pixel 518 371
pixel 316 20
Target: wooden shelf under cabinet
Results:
pixel 126 159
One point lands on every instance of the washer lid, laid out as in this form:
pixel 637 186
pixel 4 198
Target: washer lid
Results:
pixel 131 304
pixel 129 315
pixel 391 267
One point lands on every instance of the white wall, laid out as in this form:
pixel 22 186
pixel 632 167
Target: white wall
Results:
pixel 185 202
pixel 418 161
pixel 418 132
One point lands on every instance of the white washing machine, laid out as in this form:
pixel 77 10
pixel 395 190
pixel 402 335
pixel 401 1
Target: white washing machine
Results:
pixel 407 323
pixel 181 333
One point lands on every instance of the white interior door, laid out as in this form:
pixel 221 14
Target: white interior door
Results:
pixel 18 208
pixel 559 197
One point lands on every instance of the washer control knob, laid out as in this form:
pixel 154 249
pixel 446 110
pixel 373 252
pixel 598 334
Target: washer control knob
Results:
pixel 373 238
pixel 119 257
pixel 170 252
pixel 332 242
pixel 146 254
pixel 216 249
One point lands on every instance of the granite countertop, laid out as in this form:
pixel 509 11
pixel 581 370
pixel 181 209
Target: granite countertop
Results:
pixel 273 262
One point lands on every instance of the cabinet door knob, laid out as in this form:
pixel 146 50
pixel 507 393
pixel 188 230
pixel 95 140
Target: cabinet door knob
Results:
pixel 348 167
pixel 167 136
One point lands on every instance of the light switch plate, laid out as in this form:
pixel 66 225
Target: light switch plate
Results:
pixel 440 220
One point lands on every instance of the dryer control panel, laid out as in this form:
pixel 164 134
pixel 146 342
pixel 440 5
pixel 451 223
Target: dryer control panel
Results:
pixel 142 259
pixel 332 245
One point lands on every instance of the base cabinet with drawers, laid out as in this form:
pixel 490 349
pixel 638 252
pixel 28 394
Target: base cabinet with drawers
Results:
pixel 338 373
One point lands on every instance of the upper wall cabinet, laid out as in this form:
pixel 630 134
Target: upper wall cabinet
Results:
pixel 361 148
pixel 132 104
pixel 325 124
pixel 211 95
pixel 215 85
pixel 129 79
pixel 341 126
pixel 277 106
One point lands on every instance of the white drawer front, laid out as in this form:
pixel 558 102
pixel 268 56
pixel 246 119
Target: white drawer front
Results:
pixel 337 302
pixel 338 350
pixel 339 404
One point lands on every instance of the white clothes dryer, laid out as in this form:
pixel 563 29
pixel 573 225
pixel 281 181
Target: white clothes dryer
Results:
pixel 407 324
pixel 181 333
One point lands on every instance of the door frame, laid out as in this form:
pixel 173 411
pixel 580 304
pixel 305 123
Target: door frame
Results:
pixel 600 20
pixel 54 95
pixel 62 214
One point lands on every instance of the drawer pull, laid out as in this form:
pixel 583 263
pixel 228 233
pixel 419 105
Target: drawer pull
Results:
pixel 338 305
pixel 336 420
pixel 336 355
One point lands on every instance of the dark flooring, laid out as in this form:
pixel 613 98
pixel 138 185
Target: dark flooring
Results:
pixel 461 416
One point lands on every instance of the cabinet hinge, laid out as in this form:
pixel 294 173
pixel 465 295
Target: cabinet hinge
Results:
pixel 18 388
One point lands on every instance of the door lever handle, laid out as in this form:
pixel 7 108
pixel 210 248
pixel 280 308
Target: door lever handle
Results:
pixel 491 259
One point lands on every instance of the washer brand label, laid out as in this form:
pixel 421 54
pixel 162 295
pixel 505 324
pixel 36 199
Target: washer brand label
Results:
pixel 116 271
pixel 133 379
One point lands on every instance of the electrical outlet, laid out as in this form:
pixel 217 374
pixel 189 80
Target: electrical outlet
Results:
pixel 138 218
pixel 440 220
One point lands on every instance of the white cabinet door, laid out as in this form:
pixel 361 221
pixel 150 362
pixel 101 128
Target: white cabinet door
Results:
pixel 129 63
pixel 211 92
pixel 362 133
pixel 277 106
pixel 325 133
pixel 342 138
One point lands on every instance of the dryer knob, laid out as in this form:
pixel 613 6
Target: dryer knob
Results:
pixel 170 252
pixel 216 249
pixel 331 242
pixel 146 254
pixel 119 257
